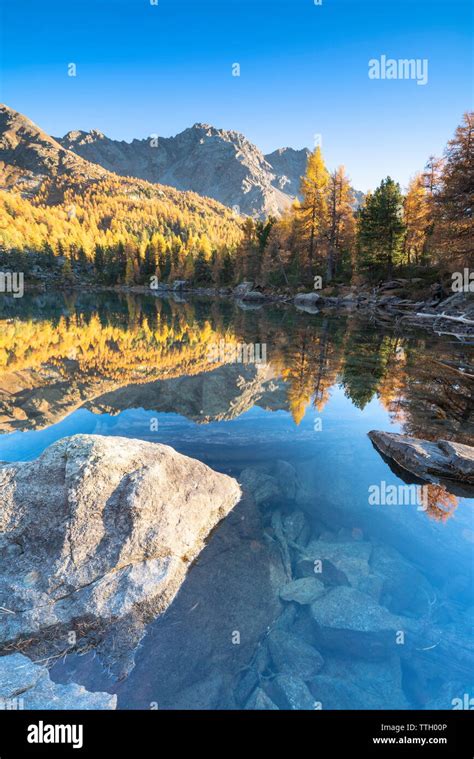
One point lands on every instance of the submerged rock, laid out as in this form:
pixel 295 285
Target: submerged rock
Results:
pixel 26 685
pixel 404 589
pixel 352 683
pixel 259 701
pixel 248 682
pixel 296 527
pixel 351 559
pixel 274 483
pixel 287 618
pixel 230 592
pixel 352 622
pixel 303 591
pixel 287 478
pixel 293 656
pixel 205 694
pixel 341 693
pixel 104 527
pixel 263 487
pixel 291 692
pixel 434 462
pixel 346 608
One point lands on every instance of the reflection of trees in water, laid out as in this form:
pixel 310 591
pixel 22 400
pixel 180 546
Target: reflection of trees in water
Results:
pixel 307 355
pixel 440 504
pixel 430 397
pixel 369 358
pixel 419 380
pixel 126 338
pixel 438 399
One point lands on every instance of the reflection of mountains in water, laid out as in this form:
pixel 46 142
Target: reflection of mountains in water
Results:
pixel 110 353
pixel 222 394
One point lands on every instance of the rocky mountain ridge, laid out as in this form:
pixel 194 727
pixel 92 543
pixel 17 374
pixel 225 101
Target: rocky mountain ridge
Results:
pixel 218 163
pixel 215 163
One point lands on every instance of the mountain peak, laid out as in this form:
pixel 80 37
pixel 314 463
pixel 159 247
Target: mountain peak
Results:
pixel 32 152
pixel 217 163
pixel 200 125
pixel 79 136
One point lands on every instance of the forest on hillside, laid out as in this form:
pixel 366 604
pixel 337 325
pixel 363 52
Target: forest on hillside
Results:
pixel 120 231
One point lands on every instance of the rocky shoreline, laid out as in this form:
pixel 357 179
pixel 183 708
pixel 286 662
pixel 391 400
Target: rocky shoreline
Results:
pixel 399 301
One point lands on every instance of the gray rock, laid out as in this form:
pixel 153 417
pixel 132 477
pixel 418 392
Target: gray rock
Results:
pixel 352 622
pixel 277 527
pixel 289 165
pixel 108 527
pixel 305 627
pixel 373 586
pixel 339 693
pixel 309 301
pixel 329 575
pixel 287 479
pixel 30 686
pixel 263 487
pixel 247 684
pixel 216 163
pixel 303 591
pixel 291 692
pixel 260 701
pixel 404 589
pixel 204 694
pixel 345 608
pixel 242 288
pixel 296 527
pixel 350 558
pixel 25 145
pixel 233 587
pixel 293 656
pixel 334 693
pixel 356 684
pixel 430 461
pixel 287 618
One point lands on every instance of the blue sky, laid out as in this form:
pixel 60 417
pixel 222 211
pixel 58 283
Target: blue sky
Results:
pixel 145 69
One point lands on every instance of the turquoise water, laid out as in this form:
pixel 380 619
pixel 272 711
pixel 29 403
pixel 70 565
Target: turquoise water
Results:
pixel 295 434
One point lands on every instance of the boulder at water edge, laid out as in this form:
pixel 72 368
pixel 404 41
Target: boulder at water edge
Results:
pixel 98 528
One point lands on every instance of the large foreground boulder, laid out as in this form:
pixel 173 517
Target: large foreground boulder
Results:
pixel 434 462
pixel 98 528
pixel 26 685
